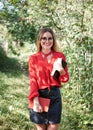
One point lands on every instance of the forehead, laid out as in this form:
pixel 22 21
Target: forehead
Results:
pixel 47 34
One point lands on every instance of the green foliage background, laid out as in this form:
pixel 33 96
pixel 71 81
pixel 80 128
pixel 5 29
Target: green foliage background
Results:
pixel 20 21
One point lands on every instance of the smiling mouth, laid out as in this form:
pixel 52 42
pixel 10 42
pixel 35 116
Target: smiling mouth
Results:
pixel 47 45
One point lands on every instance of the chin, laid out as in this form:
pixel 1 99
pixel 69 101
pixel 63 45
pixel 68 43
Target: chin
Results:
pixel 48 47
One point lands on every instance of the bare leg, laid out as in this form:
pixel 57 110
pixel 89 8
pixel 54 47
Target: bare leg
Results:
pixel 41 127
pixel 52 127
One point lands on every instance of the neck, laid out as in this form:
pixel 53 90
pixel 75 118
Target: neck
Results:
pixel 47 53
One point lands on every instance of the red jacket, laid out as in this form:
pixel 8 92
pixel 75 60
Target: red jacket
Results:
pixel 40 73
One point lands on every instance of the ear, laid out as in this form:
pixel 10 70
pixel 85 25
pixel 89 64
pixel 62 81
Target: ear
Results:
pixel 64 64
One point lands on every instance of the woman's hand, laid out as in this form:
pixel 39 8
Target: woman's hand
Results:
pixel 37 107
pixel 58 66
pixel 62 72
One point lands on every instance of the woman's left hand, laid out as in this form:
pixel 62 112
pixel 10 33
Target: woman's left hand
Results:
pixel 62 72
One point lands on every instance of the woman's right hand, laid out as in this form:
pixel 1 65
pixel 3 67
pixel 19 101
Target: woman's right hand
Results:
pixel 37 107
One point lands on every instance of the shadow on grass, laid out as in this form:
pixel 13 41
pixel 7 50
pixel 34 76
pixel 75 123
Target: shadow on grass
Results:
pixel 11 66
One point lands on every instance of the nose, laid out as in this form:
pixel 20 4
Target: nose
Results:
pixel 47 40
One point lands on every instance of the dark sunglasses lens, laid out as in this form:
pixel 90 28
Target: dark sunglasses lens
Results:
pixel 50 38
pixel 44 38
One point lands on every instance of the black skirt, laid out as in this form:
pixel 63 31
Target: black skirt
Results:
pixel 53 116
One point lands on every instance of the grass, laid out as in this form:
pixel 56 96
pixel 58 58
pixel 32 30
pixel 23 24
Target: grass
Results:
pixel 14 89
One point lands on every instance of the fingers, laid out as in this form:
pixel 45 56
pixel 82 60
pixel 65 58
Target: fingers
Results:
pixel 38 108
pixel 62 72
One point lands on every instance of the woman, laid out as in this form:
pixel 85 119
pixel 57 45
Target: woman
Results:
pixel 43 83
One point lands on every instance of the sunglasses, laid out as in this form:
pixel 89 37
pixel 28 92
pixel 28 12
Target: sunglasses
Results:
pixel 44 39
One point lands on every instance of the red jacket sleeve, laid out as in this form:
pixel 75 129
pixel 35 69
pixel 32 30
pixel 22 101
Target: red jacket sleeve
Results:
pixel 64 78
pixel 33 79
